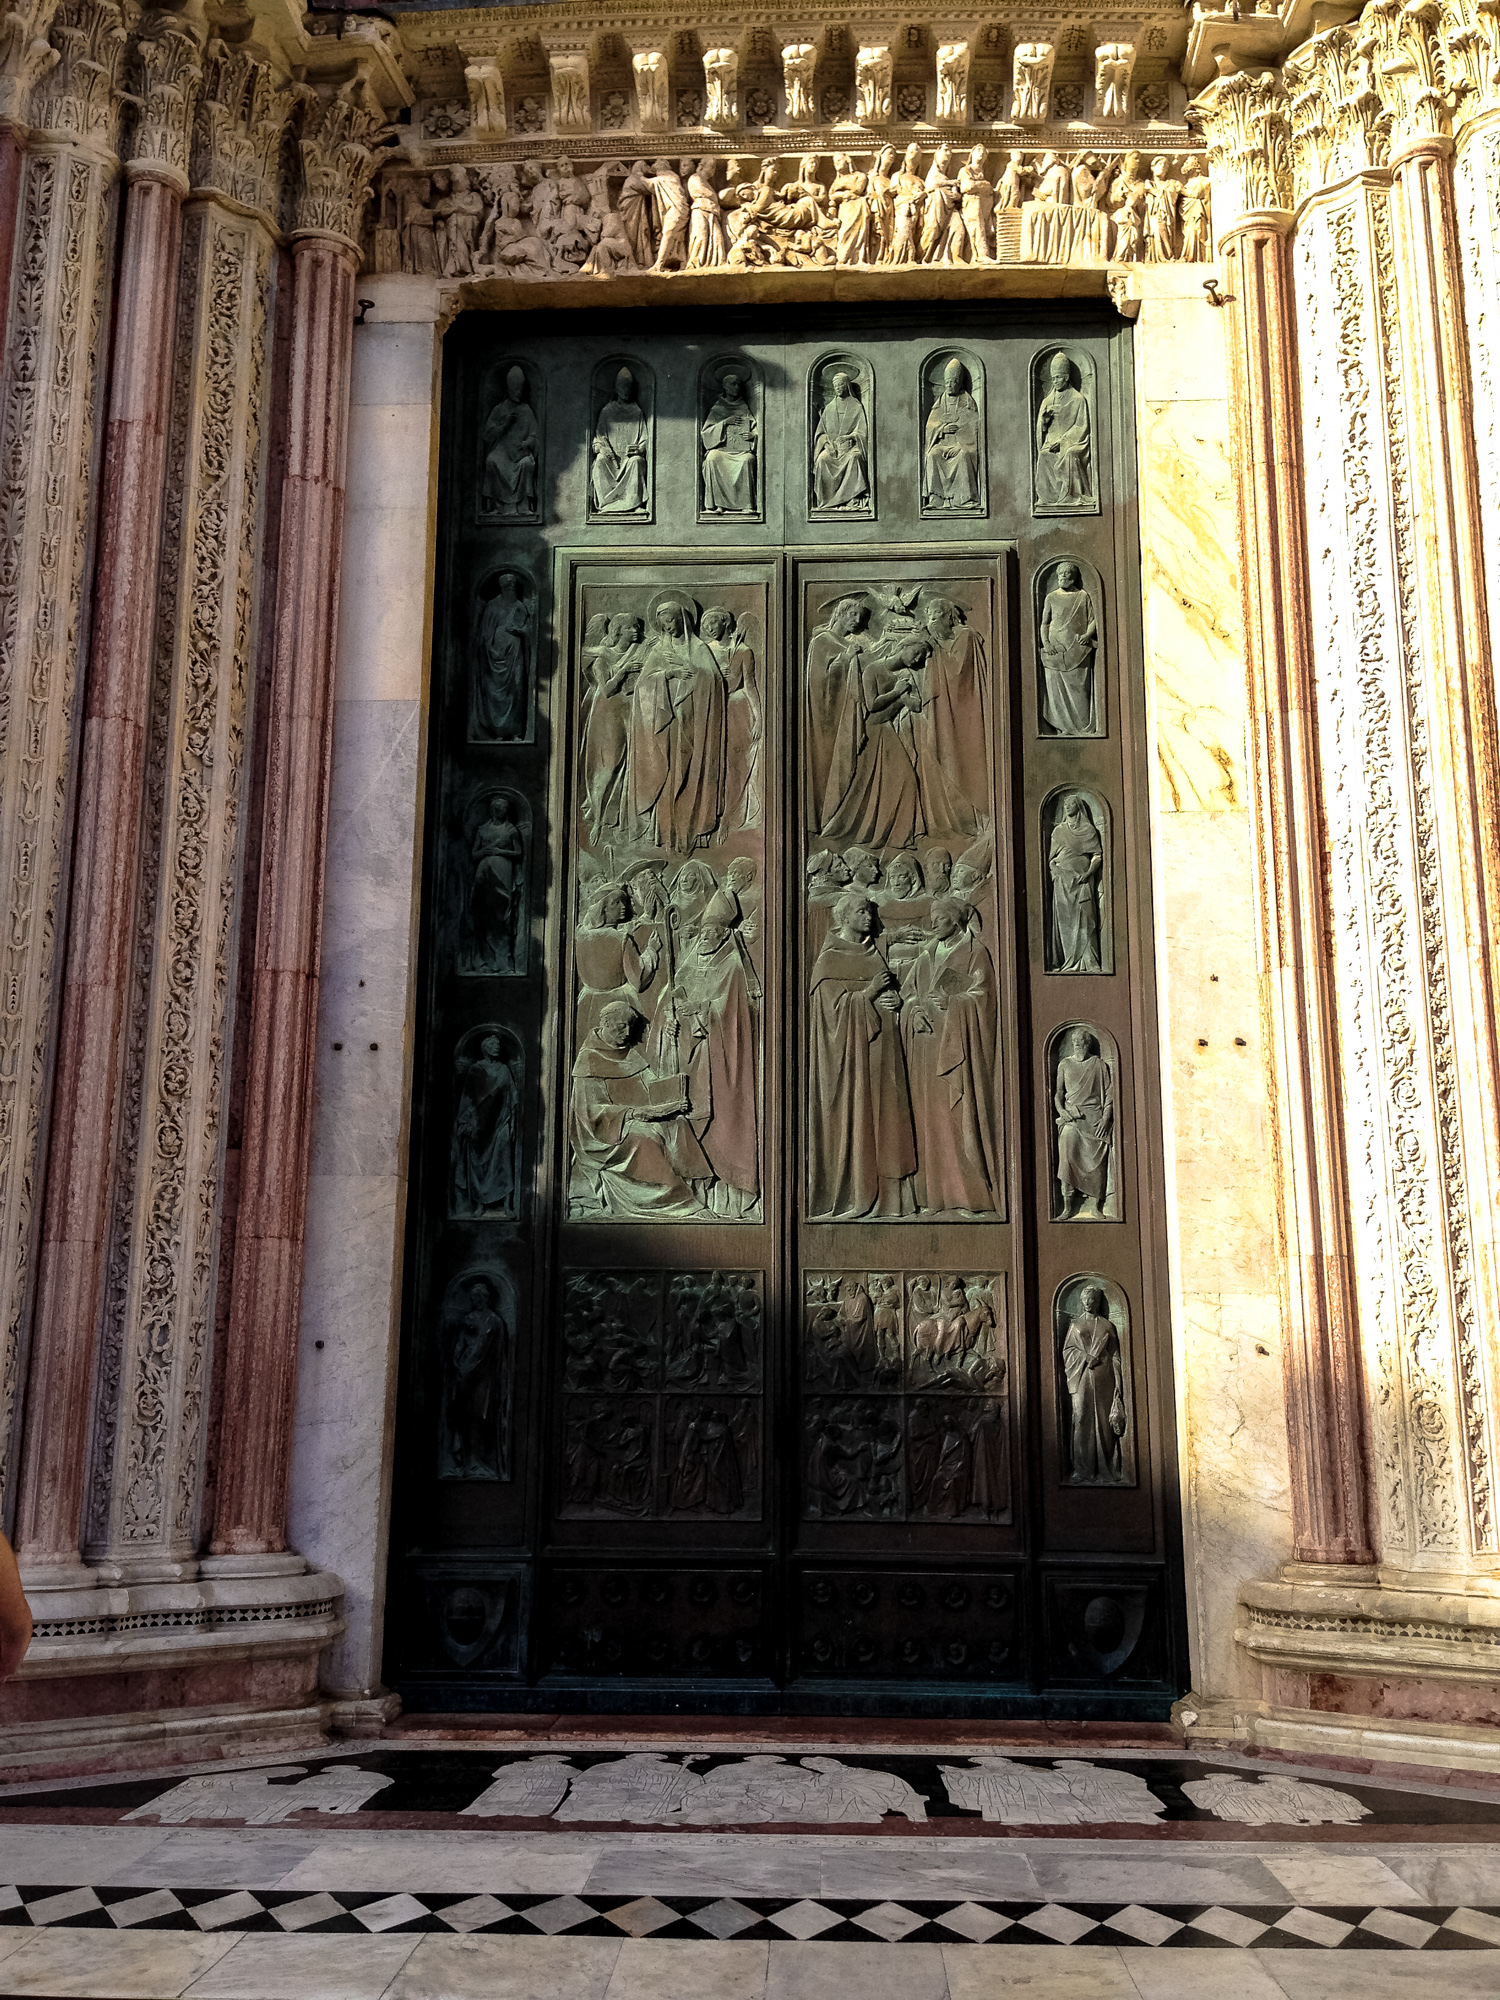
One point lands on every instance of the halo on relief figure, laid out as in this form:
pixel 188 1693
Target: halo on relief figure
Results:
pixel 675 600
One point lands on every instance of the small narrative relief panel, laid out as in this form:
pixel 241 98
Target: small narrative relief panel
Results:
pixel 1095 1397
pixel 510 443
pixel 667 946
pixel 502 658
pixel 841 425
pixel 476 1354
pixel 621 446
pixel 662 1395
pixel 1069 649
pixel 1065 471
pixel 731 461
pixel 903 1089
pixel 1076 852
pixel 905 1407
pixel 1083 1071
pixel 954 468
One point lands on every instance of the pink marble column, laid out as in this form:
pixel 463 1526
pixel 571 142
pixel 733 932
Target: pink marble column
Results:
pixel 260 1358
pixel 75 1204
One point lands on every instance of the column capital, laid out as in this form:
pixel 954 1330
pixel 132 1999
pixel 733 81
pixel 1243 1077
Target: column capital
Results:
pixel 25 54
pixel 1339 124
pixel 242 110
pixel 1245 129
pixel 166 76
pixel 340 142
pixel 78 97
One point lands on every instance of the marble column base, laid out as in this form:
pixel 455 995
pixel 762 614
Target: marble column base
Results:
pixel 161 1738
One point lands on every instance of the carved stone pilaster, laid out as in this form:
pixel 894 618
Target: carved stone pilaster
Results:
pixel 486 87
pixel 953 58
pixel 872 83
pixel 166 77
pixel 25 54
pixel 721 73
pixel 338 141
pixel 48 415
pixel 571 108
pixel 648 62
pixel 242 112
pixel 1245 125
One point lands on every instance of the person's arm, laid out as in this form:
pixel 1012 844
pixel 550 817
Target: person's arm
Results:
pixel 15 1614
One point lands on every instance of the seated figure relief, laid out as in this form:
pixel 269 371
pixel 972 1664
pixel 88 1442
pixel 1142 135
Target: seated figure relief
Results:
pixel 1064 474
pixel 730 437
pixel 841 443
pixel 620 472
pixel 511 444
pixel 953 472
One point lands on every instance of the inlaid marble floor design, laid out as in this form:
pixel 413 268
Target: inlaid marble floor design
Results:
pixel 648 1872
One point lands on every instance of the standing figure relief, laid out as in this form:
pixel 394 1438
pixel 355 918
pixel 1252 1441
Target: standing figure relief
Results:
pixel 1077 938
pixel 1067 647
pixel 494 930
pixel 538 220
pixel 1093 1335
pixel 503 661
pixel 476 1349
pixel 489 1074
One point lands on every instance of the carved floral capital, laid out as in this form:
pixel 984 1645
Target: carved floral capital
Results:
pixel 242 111
pixel 166 77
pixel 78 96
pixel 340 143
pixel 1339 125
pixel 26 55
pixel 1245 121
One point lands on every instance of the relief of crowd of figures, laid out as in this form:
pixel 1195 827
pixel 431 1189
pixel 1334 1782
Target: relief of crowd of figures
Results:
pixel 879 209
pixel 841 484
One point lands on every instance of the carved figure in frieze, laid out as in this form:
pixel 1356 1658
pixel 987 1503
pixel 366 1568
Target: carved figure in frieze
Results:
pixel 501 676
pixel 644 1787
pixel 1068 642
pixel 1195 214
pixel 853 1462
pixel 609 1332
pixel 419 246
pixel 635 1153
pixel 1033 82
pixel 1015 182
pixel 976 208
pixel 733 646
pixel 731 447
pixel 385 253
pixel 710 1457
pixel 1163 193
pixel 612 249
pixel 717 1001
pixel 951 728
pixel 841 446
pixel 881 197
pixel 852 1331
pixel 827 876
pixel 955 1339
pixel 834 653
pixel 948 1027
pixel 496 930
pixel 635 214
pixel 1064 459
pixel 484 1147
pixel 858 1795
pixel 708 246
pixel 620 472
pixel 674 214
pixel 678 731
pixel 1127 207
pixel 1095 1377
pixel 956 1459
pixel 861 1139
pixel 530 1788
pixel 624 949
pixel 612 663
pixel 943 239
pixel 713 1331
pixel 457 215
pixel 477 1346
pixel 511 448
pixel 851 205
pixel 1083 1109
pixel 606 1465
pixel 909 202
pixel 872 794
pixel 1075 863
pixel 953 444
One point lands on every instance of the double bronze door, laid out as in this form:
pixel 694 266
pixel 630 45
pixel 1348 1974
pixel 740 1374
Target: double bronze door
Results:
pixel 782 1322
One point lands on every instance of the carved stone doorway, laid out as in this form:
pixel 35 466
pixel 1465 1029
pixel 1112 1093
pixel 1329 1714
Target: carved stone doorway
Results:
pixel 785 1317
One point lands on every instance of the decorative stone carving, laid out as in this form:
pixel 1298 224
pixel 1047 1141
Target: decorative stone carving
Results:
pixel 1096 1428
pixel 253 1799
pixel 338 144
pixel 25 54
pixel 489 1092
pixel 242 112
pixel 646 1788
pixel 457 213
pixel 1075 847
pixel 167 79
pixel 955 1332
pixel 953 83
pixel 486 86
pixel 1031 100
pixel 569 72
pixel 799 60
pixel 955 471
pixel 1113 64
pixel 1069 635
pixel 1245 122
pixel 852 1459
pixel 1273 1801
pixel 1068 1792
pixel 649 66
pixel 721 67
pixel 872 85
pixel 710 1458
pixel 1065 476
pixel 1083 1069
pixel 502 670
pixel 475 1353
pixel 76 98
pixel 510 444
pixel 621 449
pixel 730 442
pixel 491 859
pixel 841 478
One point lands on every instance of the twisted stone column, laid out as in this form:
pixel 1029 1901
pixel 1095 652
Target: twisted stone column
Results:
pixel 260 1359
pixel 53 368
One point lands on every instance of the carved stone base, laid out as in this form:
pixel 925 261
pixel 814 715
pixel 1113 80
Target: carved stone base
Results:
pixel 83 1745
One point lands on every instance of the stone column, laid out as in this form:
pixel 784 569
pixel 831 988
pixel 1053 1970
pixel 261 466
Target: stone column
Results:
pixel 1324 1382
pixel 260 1359
pixel 54 354
pixel 71 1267
pixel 141 1515
pixel 25 56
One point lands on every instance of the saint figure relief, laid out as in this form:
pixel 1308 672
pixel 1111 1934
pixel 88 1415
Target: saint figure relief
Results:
pixel 678 731
pixel 861 1140
pixel 612 653
pixel 1064 443
pixel 477 1382
pixel 497 891
pixel 952 475
pixel 729 450
pixel 635 1154
pixel 948 1027
pixel 500 680
pixel 620 475
pixel 512 451
pixel 1075 862
pixel 841 449
pixel 1068 640
pixel 484 1148
pixel 1083 1106
pixel 717 996
pixel 1094 1373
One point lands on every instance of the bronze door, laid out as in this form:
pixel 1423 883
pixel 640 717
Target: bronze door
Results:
pixel 784 1322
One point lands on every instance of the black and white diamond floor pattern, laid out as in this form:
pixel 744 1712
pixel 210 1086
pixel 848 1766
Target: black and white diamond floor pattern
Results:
pixel 830 1919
